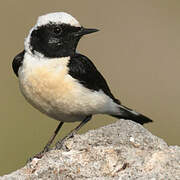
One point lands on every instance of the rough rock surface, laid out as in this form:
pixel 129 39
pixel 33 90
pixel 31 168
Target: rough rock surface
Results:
pixel 123 150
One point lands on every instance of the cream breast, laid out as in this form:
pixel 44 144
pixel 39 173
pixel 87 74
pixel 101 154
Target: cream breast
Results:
pixel 46 85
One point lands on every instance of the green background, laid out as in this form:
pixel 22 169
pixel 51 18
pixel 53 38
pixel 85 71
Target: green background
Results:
pixel 137 50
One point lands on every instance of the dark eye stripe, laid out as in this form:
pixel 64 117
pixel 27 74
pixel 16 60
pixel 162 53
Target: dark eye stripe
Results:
pixel 54 40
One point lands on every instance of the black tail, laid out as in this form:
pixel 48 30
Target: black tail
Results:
pixel 126 113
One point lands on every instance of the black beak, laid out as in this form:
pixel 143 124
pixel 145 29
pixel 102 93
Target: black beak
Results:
pixel 84 31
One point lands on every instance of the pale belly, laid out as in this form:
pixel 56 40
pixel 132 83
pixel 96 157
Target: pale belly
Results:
pixel 51 90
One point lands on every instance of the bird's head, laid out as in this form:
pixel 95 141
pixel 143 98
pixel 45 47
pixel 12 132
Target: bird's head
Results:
pixel 55 35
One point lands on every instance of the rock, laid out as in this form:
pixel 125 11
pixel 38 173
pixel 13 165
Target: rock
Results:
pixel 120 151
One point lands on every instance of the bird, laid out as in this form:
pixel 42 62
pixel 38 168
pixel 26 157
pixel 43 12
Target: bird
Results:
pixel 62 83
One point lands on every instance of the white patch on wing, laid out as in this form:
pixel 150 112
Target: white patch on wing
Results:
pixel 46 85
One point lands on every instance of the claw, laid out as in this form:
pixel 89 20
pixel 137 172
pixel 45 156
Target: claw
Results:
pixel 38 156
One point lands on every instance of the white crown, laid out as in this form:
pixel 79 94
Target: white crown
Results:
pixel 57 18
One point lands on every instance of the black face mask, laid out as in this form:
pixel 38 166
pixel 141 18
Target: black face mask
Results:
pixel 54 40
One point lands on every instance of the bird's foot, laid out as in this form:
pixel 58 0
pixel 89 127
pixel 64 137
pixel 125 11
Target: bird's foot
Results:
pixel 39 155
pixel 60 143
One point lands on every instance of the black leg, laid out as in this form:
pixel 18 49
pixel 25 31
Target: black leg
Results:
pixel 47 147
pixel 72 133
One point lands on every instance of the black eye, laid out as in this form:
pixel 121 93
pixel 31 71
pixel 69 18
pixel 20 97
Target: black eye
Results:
pixel 57 30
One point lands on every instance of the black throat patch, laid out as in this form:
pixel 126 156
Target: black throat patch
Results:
pixel 53 40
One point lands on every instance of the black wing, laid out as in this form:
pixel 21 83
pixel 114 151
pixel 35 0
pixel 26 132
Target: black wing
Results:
pixel 17 62
pixel 81 68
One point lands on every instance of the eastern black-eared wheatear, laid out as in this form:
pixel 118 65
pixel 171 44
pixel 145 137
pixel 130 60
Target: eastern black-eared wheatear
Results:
pixel 62 83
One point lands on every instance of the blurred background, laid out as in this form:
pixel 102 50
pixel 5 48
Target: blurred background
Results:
pixel 137 50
